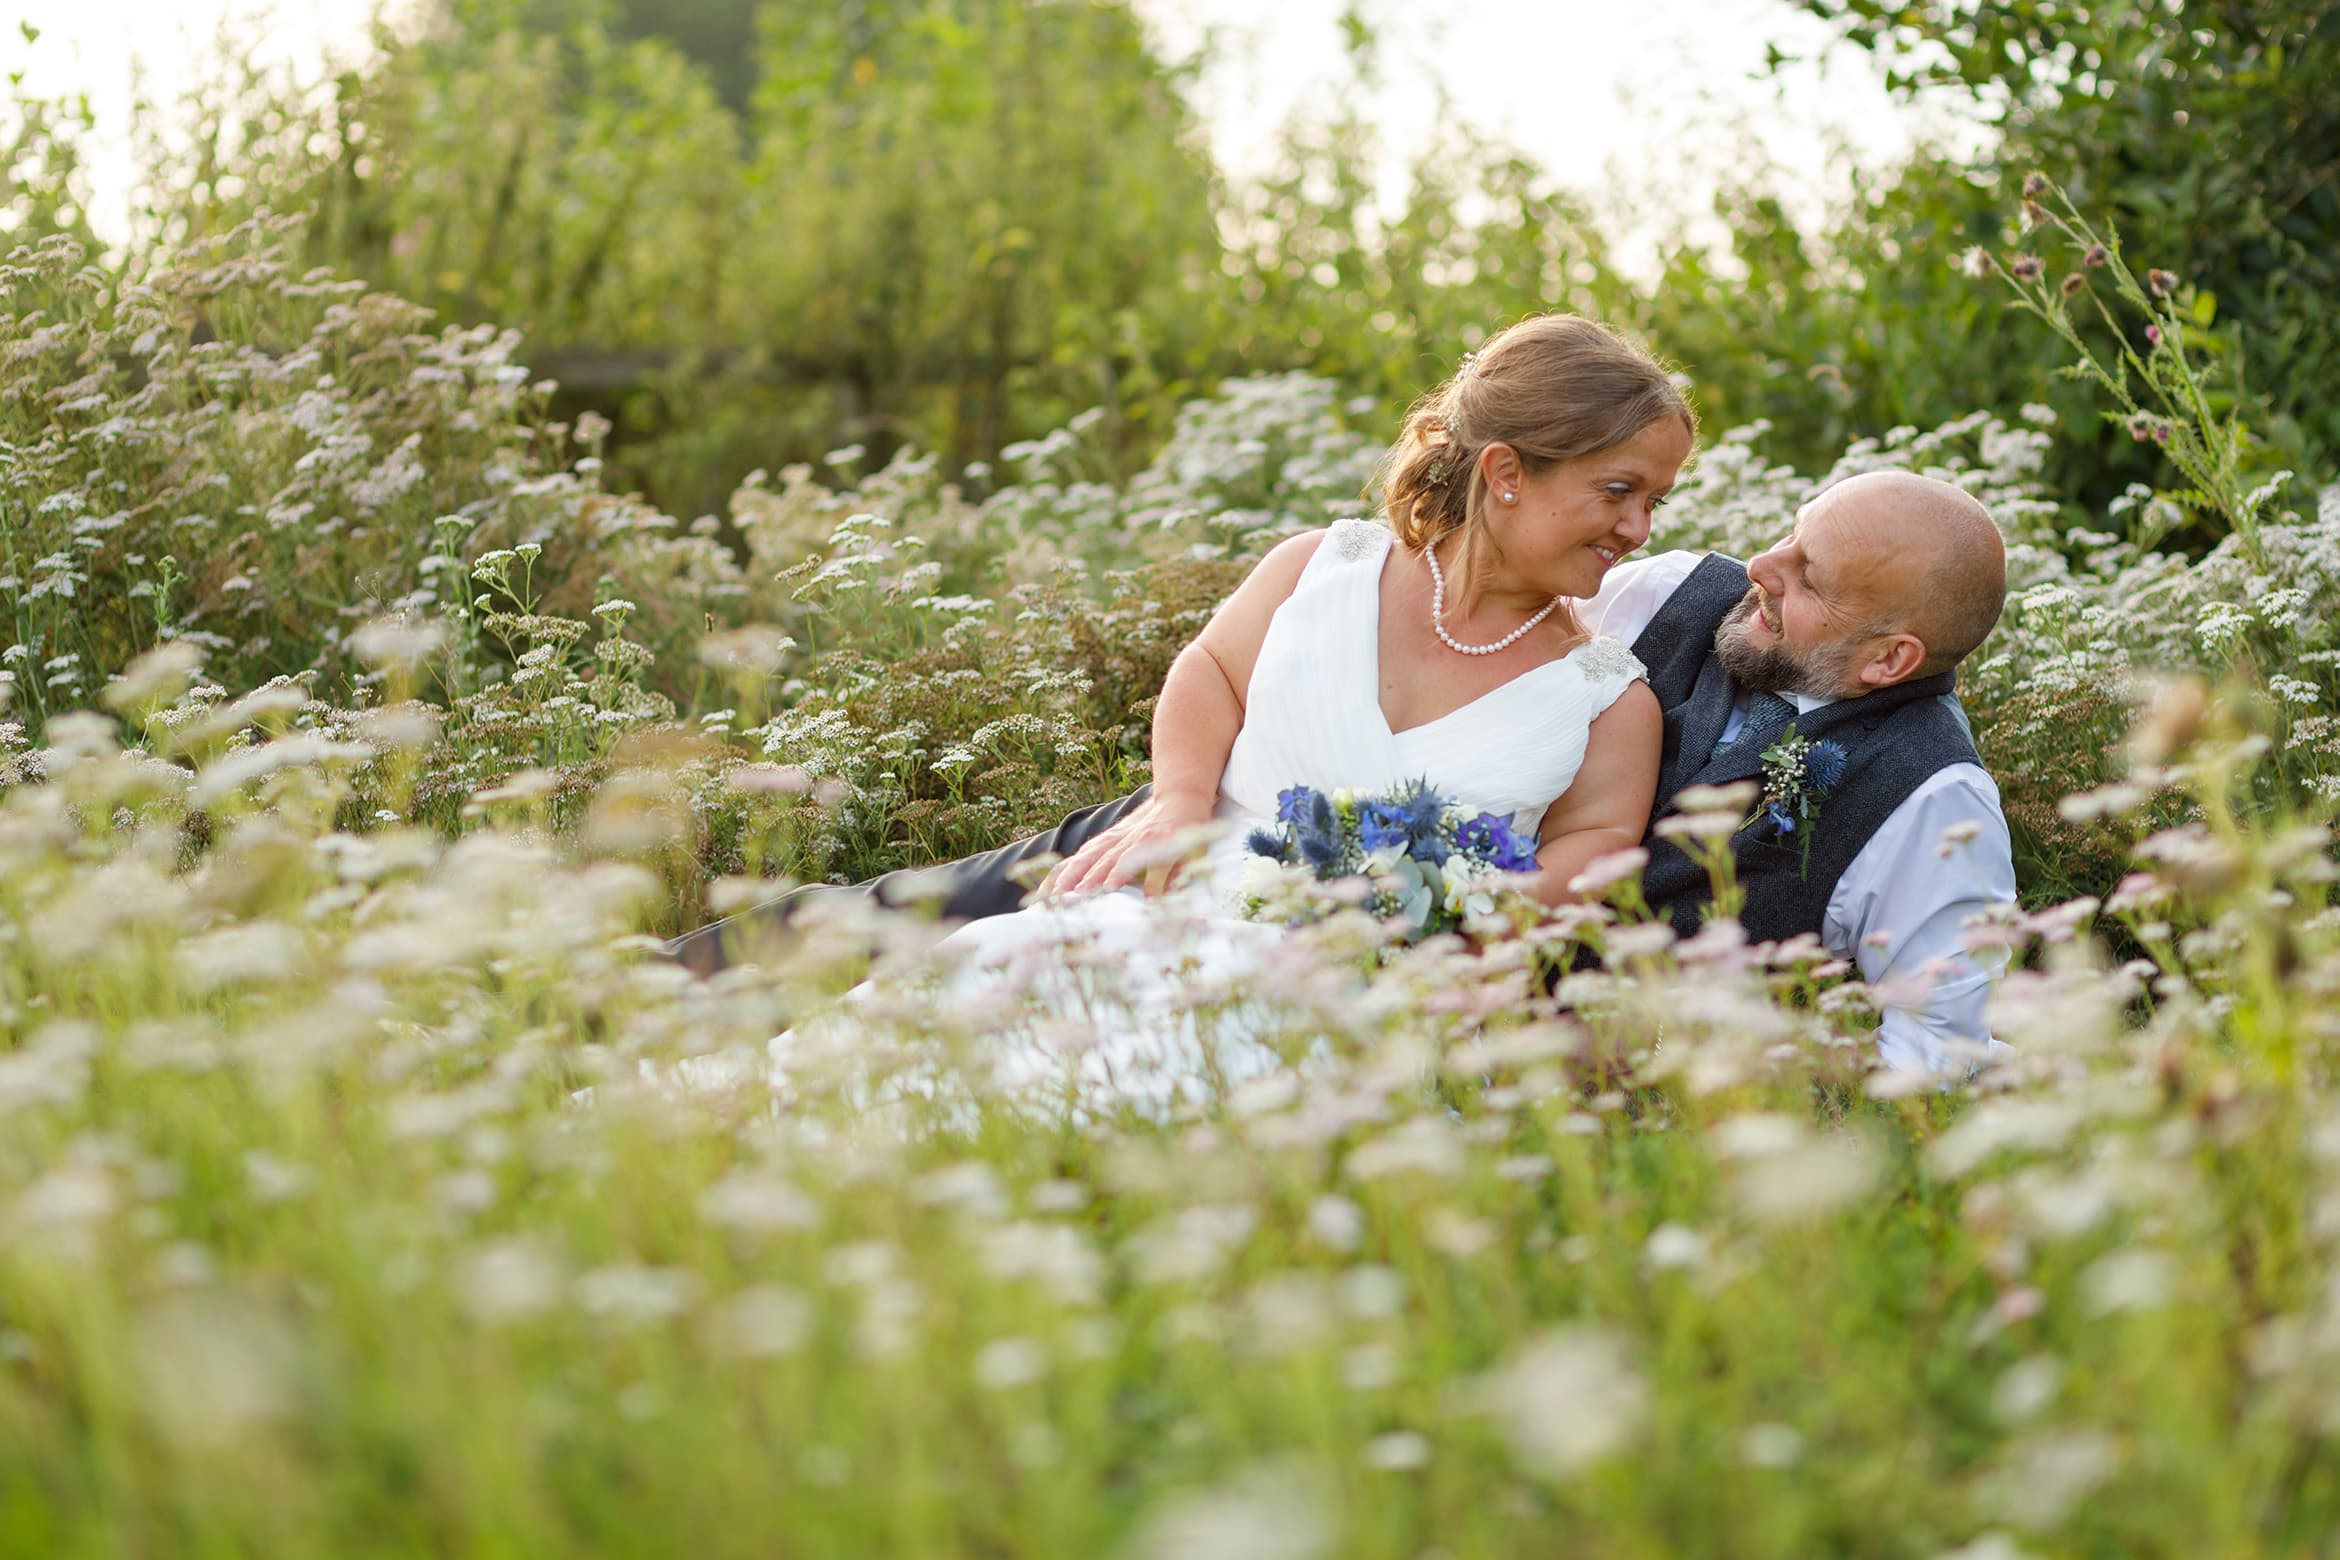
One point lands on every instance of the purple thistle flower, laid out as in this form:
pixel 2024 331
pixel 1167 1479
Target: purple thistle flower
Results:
pixel 1266 842
pixel 1824 766
pixel 1320 850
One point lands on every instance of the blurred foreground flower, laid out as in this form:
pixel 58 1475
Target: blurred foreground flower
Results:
pixel 1566 1400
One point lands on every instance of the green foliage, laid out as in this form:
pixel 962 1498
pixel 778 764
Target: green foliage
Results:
pixel 2196 401
pixel 230 453
pixel 41 161
pixel 2210 128
pixel 954 223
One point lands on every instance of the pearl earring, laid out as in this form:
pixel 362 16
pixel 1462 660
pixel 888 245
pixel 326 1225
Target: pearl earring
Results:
pixel 1510 498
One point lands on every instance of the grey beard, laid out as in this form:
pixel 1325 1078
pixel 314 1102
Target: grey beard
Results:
pixel 1774 668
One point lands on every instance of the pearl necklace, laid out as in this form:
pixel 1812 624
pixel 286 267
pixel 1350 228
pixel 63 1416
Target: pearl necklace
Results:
pixel 1438 612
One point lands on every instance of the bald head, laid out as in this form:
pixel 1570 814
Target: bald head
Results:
pixel 1931 555
pixel 1887 576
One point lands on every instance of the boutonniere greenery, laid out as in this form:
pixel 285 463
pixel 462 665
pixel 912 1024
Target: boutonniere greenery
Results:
pixel 1797 776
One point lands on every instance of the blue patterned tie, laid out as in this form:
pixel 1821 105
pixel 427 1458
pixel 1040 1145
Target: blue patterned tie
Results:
pixel 1767 716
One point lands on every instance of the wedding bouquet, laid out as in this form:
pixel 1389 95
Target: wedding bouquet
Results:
pixel 1411 852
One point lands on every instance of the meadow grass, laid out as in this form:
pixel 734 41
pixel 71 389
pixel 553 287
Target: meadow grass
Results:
pixel 368 1183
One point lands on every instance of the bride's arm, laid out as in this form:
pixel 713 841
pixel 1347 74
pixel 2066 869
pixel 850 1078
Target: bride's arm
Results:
pixel 1195 721
pixel 1606 808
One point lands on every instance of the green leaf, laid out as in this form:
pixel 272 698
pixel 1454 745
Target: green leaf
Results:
pixel 2205 307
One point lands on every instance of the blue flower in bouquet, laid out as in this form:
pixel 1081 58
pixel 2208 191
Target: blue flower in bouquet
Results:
pixel 1381 825
pixel 1426 861
pixel 1420 813
pixel 1310 831
pixel 1490 838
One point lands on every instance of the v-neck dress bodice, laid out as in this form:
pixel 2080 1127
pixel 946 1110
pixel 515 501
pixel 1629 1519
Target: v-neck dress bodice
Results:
pixel 1312 715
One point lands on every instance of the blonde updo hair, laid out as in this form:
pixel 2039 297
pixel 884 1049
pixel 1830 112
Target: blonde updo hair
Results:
pixel 1553 387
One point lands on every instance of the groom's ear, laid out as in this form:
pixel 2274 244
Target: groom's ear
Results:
pixel 1895 659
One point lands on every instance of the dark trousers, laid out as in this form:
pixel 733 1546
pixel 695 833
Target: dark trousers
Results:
pixel 968 890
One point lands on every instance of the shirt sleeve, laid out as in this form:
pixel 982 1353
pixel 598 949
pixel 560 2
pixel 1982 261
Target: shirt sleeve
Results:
pixel 1898 913
pixel 1632 592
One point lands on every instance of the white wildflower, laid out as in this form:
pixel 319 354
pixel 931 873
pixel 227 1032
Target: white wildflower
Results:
pixel 761 1322
pixel 1782 1172
pixel 212 1364
pixel 1567 1400
pixel 2032 1125
pixel 273 1180
pixel 508 1279
pixel 2026 1388
pixel 1770 1445
pixel 633 1295
pixel 397 642
pixel 2044 1475
pixel 1004 1363
pixel 2137 1279
pixel 1397 1451
pixel 1425 1145
pixel 758 1202
pixel 1058 1257
pixel 1275 1512
pixel 1673 1246
pixel 1190 1245
pixel 154 677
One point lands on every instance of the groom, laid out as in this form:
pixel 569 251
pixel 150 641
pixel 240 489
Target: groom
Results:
pixel 1848 628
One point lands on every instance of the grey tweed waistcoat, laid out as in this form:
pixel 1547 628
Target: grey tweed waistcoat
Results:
pixel 1893 740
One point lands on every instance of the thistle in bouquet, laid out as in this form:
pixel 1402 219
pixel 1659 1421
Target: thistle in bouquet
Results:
pixel 1419 857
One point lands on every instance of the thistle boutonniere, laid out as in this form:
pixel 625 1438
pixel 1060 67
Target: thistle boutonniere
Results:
pixel 1798 774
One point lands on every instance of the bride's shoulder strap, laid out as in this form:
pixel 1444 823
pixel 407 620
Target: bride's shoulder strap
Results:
pixel 1351 541
pixel 1610 668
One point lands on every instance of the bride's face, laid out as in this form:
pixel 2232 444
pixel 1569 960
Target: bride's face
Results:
pixel 1568 525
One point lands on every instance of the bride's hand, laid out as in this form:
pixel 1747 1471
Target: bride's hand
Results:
pixel 1134 845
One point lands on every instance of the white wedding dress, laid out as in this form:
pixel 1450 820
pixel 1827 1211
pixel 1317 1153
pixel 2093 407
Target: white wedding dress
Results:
pixel 1312 717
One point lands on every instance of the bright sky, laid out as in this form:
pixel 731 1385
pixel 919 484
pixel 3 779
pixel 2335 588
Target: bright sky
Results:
pixel 1644 102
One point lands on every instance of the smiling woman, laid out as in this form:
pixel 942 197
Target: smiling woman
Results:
pixel 1544 393
pixel 1514 486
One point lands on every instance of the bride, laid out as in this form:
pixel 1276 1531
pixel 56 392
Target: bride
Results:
pixel 1439 642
